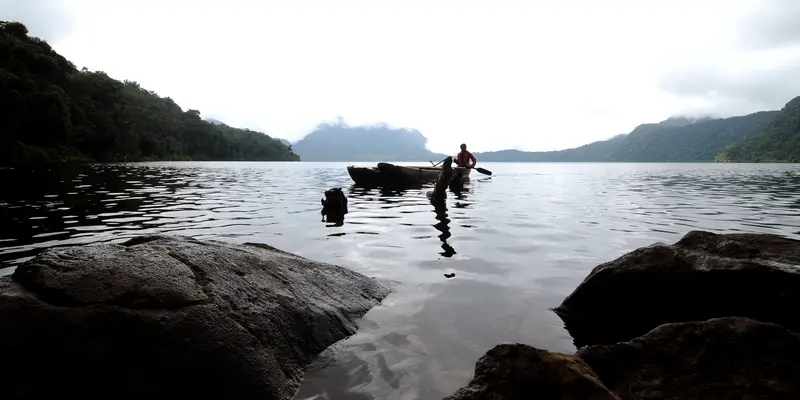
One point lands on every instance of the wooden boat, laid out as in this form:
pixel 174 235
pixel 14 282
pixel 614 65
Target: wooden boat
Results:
pixel 400 175
pixel 369 176
pixel 408 175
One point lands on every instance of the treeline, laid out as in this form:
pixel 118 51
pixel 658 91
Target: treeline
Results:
pixel 778 141
pixel 672 140
pixel 51 111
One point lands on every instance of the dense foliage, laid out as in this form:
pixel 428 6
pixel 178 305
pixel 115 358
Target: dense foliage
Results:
pixel 50 111
pixel 779 141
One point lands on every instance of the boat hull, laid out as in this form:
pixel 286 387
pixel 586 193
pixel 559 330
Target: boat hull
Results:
pixel 370 176
pixel 401 175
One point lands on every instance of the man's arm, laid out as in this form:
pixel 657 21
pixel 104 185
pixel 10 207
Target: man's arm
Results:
pixel 474 160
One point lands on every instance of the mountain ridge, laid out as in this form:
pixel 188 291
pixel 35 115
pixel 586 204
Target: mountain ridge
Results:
pixel 675 139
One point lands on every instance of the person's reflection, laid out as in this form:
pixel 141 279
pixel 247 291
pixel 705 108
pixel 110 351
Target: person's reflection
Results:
pixel 440 208
pixel 460 189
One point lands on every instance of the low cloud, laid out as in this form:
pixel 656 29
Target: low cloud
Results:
pixel 773 23
pixel 759 69
pixel 50 20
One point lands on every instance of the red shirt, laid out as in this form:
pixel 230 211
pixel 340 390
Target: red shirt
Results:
pixel 465 156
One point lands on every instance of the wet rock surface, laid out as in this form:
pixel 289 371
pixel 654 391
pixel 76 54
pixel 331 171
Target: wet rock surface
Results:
pixel 518 371
pixel 722 358
pixel 709 317
pixel 171 316
pixel 702 276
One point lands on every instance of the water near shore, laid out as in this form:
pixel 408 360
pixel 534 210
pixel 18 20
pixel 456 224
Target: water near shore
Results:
pixel 518 242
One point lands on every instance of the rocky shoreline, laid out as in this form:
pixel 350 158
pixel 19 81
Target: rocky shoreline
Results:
pixel 709 317
pixel 712 316
pixel 159 316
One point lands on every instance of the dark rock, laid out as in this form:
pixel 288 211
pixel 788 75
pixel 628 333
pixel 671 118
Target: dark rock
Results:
pixel 518 371
pixel 439 190
pixel 724 358
pixel 157 317
pixel 702 276
pixel 334 206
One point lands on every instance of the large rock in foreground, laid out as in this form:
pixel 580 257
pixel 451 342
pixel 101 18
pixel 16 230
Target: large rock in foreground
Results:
pixel 702 276
pixel 518 371
pixel 171 316
pixel 724 358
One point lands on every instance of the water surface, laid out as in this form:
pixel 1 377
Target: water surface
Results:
pixel 518 241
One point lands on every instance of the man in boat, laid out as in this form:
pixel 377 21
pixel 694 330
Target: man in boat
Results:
pixel 463 158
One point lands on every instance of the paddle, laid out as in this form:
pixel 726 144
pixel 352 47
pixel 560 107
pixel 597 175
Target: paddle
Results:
pixel 483 171
pixel 479 169
pixel 437 162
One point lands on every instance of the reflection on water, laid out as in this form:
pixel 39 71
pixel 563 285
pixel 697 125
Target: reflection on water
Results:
pixel 518 241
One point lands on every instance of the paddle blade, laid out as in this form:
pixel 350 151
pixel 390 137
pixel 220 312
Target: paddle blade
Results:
pixel 483 171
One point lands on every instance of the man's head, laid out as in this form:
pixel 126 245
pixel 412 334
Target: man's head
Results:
pixel 463 146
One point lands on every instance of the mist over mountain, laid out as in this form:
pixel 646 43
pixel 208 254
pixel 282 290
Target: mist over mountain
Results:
pixel 341 142
pixel 215 121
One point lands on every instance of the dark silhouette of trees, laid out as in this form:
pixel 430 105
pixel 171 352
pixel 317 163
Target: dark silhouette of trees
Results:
pixel 51 111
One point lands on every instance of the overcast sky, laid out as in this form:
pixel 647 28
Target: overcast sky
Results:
pixel 533 75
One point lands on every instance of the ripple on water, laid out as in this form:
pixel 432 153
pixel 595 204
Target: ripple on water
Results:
pixel 518 242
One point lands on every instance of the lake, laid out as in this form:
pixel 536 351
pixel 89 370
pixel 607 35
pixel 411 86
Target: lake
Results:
pixel 518 241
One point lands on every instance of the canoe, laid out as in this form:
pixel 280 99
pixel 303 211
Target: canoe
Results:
pixel 399 175
pixel 408 174
pixel 370 176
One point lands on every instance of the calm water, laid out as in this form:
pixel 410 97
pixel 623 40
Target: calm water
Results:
pixel 518 242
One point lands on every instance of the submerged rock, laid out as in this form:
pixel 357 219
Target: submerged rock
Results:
pixel 171 316
pixel 702 276
pixel 518 371
pixel 722 358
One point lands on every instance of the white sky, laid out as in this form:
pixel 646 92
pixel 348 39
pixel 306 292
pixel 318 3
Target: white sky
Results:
pixel 532 75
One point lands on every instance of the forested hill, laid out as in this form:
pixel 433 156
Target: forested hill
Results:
pixel 778 141
pixel 672 140
pixel 677 139
pixel 50 111
pixel 340 142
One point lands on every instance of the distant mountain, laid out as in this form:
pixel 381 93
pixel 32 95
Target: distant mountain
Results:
pixel 676 139
pixel 215 121
pixel 778 141
pixel 340 142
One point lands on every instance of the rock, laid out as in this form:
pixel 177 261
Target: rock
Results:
pixel 334 206
pixel 518 371
pixel 723 358
pixel 158 316
pixel 702 276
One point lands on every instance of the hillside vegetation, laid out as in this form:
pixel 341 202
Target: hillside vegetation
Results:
pixel 779 141
pixel 51 111
pixel 672 140
pixel 676 139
